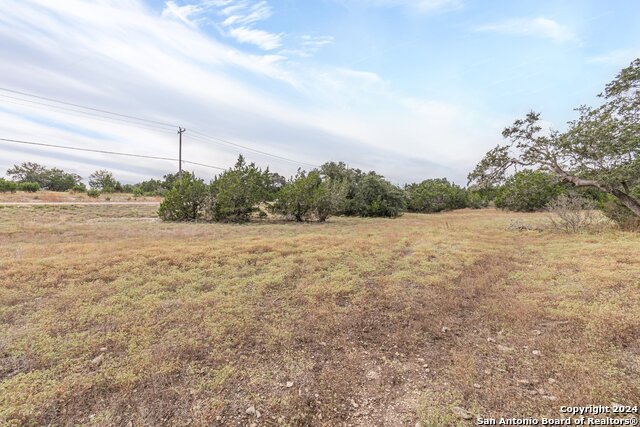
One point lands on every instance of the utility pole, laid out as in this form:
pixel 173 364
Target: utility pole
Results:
pixel 180 132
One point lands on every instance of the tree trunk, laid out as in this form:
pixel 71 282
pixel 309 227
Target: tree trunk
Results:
pixel 624 198
pixel 628 201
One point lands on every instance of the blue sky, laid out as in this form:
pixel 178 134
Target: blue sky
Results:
pixel 413 89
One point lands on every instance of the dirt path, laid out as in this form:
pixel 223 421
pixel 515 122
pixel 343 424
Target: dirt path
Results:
pixel 77 203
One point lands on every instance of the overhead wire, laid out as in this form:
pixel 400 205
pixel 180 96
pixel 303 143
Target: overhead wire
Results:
pixel 138 121
pixel 117 153
pixel 93 116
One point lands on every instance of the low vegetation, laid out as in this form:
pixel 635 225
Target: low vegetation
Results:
pixel 109 316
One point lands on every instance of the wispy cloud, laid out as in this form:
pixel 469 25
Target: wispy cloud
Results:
pixel 421 6
pixel 239 20
pixel 263 39
pixel 536 27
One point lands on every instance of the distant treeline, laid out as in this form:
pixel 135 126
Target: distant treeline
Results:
pixel 247 191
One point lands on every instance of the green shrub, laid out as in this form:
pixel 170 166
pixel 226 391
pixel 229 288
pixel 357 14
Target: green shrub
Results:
pixel 29 187
pixel 103 180
pixel 7 186
pixel 185 201
pixel 78 188
pixel 237 193
pixel 475 200
pixel 374 196
pixel 53 179
pixel 435 195
pixel 528 191
pixel 305 197
pixel 93 193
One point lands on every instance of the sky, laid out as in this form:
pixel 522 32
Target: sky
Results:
pixel 412 89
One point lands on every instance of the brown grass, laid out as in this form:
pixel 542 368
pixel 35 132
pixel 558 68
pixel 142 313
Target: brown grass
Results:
pixel 57 197
pixel 112 318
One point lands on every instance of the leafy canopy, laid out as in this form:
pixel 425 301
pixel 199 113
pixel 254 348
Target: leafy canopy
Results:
pixel 600 149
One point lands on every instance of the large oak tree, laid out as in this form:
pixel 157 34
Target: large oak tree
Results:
pixel 599 150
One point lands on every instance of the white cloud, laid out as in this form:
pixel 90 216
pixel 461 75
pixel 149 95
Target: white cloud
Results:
pixel 263 39
pixel 128 59
pixel 536 27
pixel 421 6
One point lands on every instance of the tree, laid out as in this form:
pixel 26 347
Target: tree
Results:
pixel 375 196
pixel 599 150
pixel 305 197
pixel 103 180
pixel 435 195
pixel 49 179
pixel 528 191
pixel 29 172
pixel 59 180
pixel 343 185
pixel 238 192
pixel 185 201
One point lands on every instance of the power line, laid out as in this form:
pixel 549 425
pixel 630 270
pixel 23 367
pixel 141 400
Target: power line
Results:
pixel 208 138
pixel 85 107
pixel 18 141
pixel 85 113
pixel 202 136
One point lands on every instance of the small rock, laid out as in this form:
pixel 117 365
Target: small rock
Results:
pixel 524 382
pixel 289 384
pixel 551 381
pixel 489 339
pixel 536 332
pixel 504 348
pixel 425 365
pixel 420 359
pixel 96 360
pixel 445 329
pixel 103 349
pixel 258 414
pixel 476 385
pixel 541 391
pixel 462 413
pixel 354 404
pixel 373 375
pixel 536 353
pixel 251 410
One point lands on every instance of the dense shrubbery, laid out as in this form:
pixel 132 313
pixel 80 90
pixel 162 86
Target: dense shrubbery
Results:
pixel 375 196
pixel 185 201
pixel 436 195
pixel 306 197
pixel 354 193
pixel 52 179
pixel 7 186
pixel 238 193
pixel 29 187
pixel 528 191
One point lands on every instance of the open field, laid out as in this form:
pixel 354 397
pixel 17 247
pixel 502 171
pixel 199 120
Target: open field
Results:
pixel 59 197
pixel 109 317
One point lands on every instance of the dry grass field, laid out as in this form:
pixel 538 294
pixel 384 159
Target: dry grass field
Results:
pixel 109 317
pixel 59 197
